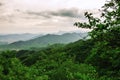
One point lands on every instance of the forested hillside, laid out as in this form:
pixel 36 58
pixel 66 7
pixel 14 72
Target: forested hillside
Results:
pixel 97 58
pixel 44 41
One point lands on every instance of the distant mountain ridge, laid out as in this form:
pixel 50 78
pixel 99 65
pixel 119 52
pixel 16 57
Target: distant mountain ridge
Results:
pixel 10 38
pixel 45 40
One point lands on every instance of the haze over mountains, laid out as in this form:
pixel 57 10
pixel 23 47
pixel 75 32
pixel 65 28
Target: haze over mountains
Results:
pixel 42 41
pixel 10 38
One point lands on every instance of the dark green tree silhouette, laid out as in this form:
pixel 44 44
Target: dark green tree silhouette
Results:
pixel 106 36
pixel 109 21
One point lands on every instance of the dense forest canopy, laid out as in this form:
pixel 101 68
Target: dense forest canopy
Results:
pixel 96 58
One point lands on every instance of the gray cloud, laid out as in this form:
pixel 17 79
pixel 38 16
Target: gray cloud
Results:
pixel 43 14
pixel 1 4
pixel 71 13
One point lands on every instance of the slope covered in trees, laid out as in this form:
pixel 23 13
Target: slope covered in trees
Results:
pixel 92 59
pixel 59 62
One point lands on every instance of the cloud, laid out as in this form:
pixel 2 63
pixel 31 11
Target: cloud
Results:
pixel 1 4
pixel 73 13
pixel 70 13
pixel 36 21
pixel 42 14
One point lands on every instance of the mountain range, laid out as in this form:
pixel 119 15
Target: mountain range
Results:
pixel 43 41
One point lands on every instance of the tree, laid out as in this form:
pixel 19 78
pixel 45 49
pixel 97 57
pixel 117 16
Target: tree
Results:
pixel 106 36
pixel 110 19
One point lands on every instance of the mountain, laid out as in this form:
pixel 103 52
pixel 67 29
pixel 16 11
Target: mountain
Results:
pixel 45 40
pixel 10 38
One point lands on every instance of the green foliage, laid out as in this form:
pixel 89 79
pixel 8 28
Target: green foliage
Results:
pixel 80 49
pixel 106 37
pixel 52 63
pixel 109 18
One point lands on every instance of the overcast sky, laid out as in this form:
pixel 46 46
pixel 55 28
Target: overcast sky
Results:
pixel 44 16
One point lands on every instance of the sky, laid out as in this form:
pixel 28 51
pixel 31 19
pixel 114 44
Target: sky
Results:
pixel 44 16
